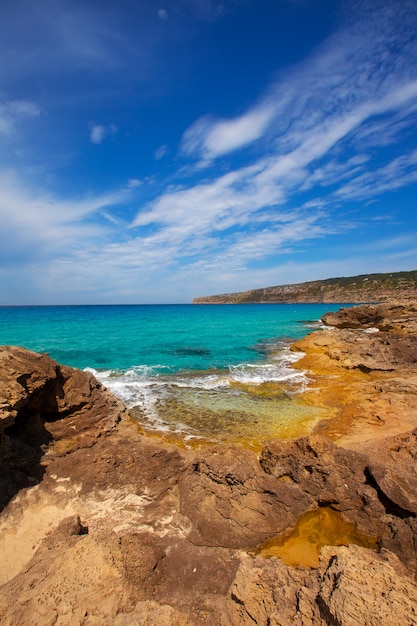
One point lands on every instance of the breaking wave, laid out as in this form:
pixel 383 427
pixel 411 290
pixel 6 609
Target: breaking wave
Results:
pixel 149 388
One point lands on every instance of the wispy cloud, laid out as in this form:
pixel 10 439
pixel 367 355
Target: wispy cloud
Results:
pixel 99 133
pixel 161 152
pixel 307 117
pixel 209 138
pixel 397 173
pixel 38 225
pixel 133 182
pixel 14 110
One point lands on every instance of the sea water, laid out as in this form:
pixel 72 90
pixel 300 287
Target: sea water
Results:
pixel 195 373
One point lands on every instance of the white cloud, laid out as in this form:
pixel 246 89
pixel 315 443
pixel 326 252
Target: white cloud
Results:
pixel 210 139
pixel 234 198
pixel 363 71
pixel 397 173
pixel 133 182
pixel 36 224
pixel 161 152
pixel 13 110
pixel 99 133
pixel 163 14
pixel 309 120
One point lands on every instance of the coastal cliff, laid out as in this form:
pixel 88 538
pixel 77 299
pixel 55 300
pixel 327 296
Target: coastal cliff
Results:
pixel 400 286
pixel 104 525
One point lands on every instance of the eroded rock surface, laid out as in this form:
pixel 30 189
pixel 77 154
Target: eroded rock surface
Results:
pixel 43 402
pixel 232 502
pixel 367 379
pixel 388 317
pixel 351 586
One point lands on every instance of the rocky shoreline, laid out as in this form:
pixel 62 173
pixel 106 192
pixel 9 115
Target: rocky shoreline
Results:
pixel 104 525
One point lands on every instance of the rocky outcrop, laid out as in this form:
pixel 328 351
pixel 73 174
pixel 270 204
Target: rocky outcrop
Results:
pixel 390 317
pixel 351 586
pixel 232 502
pixel 43 402
pixel 104 525
pixel 366 377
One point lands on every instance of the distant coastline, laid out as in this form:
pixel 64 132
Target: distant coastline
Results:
pixel 365 288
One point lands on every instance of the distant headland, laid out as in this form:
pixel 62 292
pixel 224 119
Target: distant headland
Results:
pixel 366 288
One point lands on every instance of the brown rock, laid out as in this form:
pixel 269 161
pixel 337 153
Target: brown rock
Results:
pixel 42 403
pixel 123 529
pixel 367 381
pixel 81 579
pixel 392 466
pixel 331 476
pixel 348 482
pixel 104 578
pixel 361 587
pixel 399 488
pixel 232 502
pixel 357 350
pixel 351 586
pixel 151 613
pixel 388 317
pixel 268 593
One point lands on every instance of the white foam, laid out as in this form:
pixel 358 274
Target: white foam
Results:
pixel 279 370
pixel 143 387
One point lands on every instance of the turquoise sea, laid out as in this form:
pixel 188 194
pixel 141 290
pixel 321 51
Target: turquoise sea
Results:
pixel 196 371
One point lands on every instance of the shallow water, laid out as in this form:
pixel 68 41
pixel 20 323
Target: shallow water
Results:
pixel 208 373
pixel 315 529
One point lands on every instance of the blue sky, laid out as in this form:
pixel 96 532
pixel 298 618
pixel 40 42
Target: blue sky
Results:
pixel 153 151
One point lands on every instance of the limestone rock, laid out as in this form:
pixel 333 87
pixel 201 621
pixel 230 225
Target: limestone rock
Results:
pixel 352 586
pixel 375 490
pixel 367 381
pixel 361 587
pixel 35 386
pixel 329 474
pixel 366 352
pixel 42 402
pixel 81 580
pixel 364 288
pixel 267 592
pixel 388 317
pixel 232 502
pixel 399 488
pixel 151 613
pixel 130 578
pixel 392 466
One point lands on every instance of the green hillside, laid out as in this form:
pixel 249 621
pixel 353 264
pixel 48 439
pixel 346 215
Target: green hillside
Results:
pixel 354 289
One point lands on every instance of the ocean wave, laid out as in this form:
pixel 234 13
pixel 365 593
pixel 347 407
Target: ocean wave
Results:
pixel 147 388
